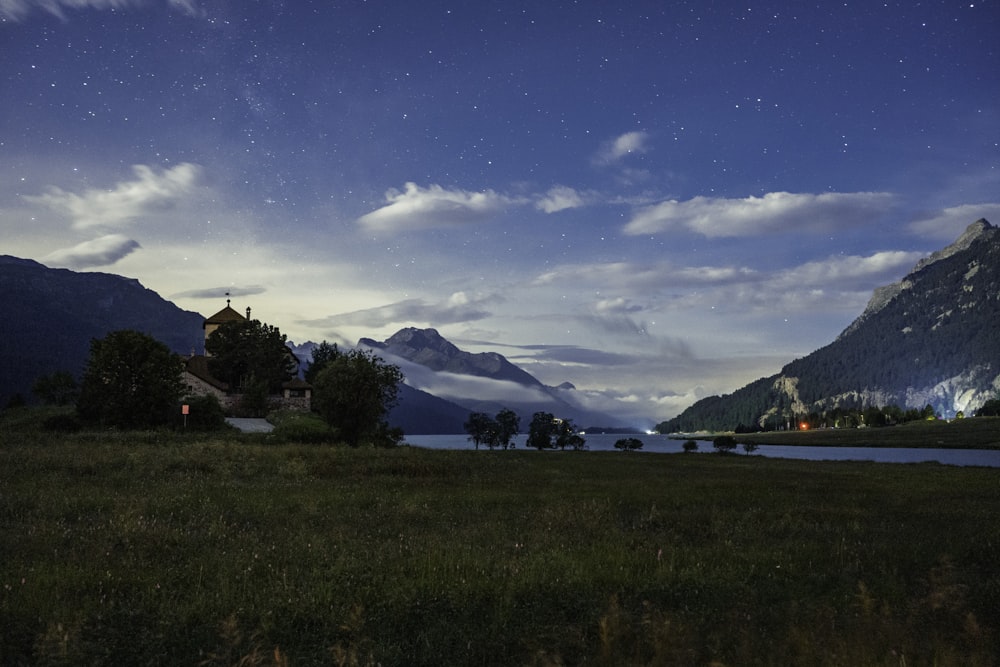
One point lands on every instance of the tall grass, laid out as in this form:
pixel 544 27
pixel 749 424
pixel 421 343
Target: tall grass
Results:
pixel 168 550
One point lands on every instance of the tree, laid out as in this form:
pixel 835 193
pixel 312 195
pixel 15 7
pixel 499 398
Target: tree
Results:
pixel 59 388
pixel 246 352
pixel 990 408
pixel 322 354
pixel 724 443
pixel 508 424
pixel 354 392
pixel 481 429
pixel 566 435
pixel 131 380
pixel 689 446
pixel 628 444
pixel 749 447
pixel 541 430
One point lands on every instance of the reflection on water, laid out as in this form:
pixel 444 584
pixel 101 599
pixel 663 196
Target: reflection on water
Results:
pixel 661 444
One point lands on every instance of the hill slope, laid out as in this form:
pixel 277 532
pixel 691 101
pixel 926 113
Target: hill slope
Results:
pixel 51 315
pixel 931 339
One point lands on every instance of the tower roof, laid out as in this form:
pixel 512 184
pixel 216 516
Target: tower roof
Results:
pixel 227 314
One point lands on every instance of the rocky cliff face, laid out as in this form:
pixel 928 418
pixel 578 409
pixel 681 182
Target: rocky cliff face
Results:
pixel 885 294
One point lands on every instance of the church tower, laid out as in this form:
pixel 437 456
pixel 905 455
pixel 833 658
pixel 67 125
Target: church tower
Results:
pixel 227 314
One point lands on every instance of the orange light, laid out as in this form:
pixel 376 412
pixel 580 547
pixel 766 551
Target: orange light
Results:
pixel 804 426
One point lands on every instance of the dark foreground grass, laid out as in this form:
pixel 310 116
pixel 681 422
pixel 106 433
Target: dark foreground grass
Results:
pixel 150 551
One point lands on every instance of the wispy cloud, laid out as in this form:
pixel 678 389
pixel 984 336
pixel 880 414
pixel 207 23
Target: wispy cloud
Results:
pixel 127 201
pixel 102 251
pixel 16 10
pixel 617 306
pixel 459 307
pixel 814 284
pixel 424 208
pixel 561 197
pixel 634 275
pixel 621 146
pixel 220 292
pixel 774 212
pixel 845 272
pixel 947 224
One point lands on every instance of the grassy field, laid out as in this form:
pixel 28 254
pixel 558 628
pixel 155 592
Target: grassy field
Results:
pixel 974 433
pixel 150 549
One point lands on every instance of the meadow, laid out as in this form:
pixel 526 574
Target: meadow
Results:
pixel 158 548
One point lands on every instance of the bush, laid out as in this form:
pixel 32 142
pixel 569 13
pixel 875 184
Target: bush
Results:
pixel 301 427
pixel 991 408
pixel 628 444
pixel 204 413
pixel 724 443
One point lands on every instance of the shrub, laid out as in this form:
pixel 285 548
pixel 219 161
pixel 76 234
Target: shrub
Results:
pixel 204 413
pixel 724 443
pixel 301 427
pixel 628 444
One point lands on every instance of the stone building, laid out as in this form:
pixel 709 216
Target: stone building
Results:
pixel 296 394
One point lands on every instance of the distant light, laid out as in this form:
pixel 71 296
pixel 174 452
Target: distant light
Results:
pixel 804 426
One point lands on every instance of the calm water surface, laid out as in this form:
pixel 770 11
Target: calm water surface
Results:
pixel 661 444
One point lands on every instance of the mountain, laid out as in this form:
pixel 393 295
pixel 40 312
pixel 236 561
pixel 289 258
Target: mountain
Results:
pixel 420 413
pixel 476 382
pixel 930 339
pixel 51 315
pixel 428 348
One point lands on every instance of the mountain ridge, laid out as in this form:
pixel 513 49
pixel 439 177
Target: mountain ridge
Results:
pixel 51 315
pixel 509 387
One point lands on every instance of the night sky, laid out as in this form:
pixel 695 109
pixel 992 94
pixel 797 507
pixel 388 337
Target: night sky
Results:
pixel 654 201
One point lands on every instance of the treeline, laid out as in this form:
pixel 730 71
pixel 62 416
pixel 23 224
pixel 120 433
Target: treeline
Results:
pixel 546 431
pixel 838 417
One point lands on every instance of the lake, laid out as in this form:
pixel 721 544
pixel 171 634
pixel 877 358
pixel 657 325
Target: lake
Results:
pixel 661 444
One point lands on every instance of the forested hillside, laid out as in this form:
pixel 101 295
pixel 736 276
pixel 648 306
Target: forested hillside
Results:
pixel 935 342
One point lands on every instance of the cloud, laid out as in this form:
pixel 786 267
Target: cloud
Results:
pixel 837 282
pixel 616 306
pixel 949 223
pixel 459 307
pixel 845 272
pixel 774 212
pixel 627 144
pixel 97 252
pixel 16 10
pixel 633 275
pixel 458 386
pixel 125 202
pixel 560 198
pixel 426 208
pixel 220 292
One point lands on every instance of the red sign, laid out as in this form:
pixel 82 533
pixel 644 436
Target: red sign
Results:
pixel 185 409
